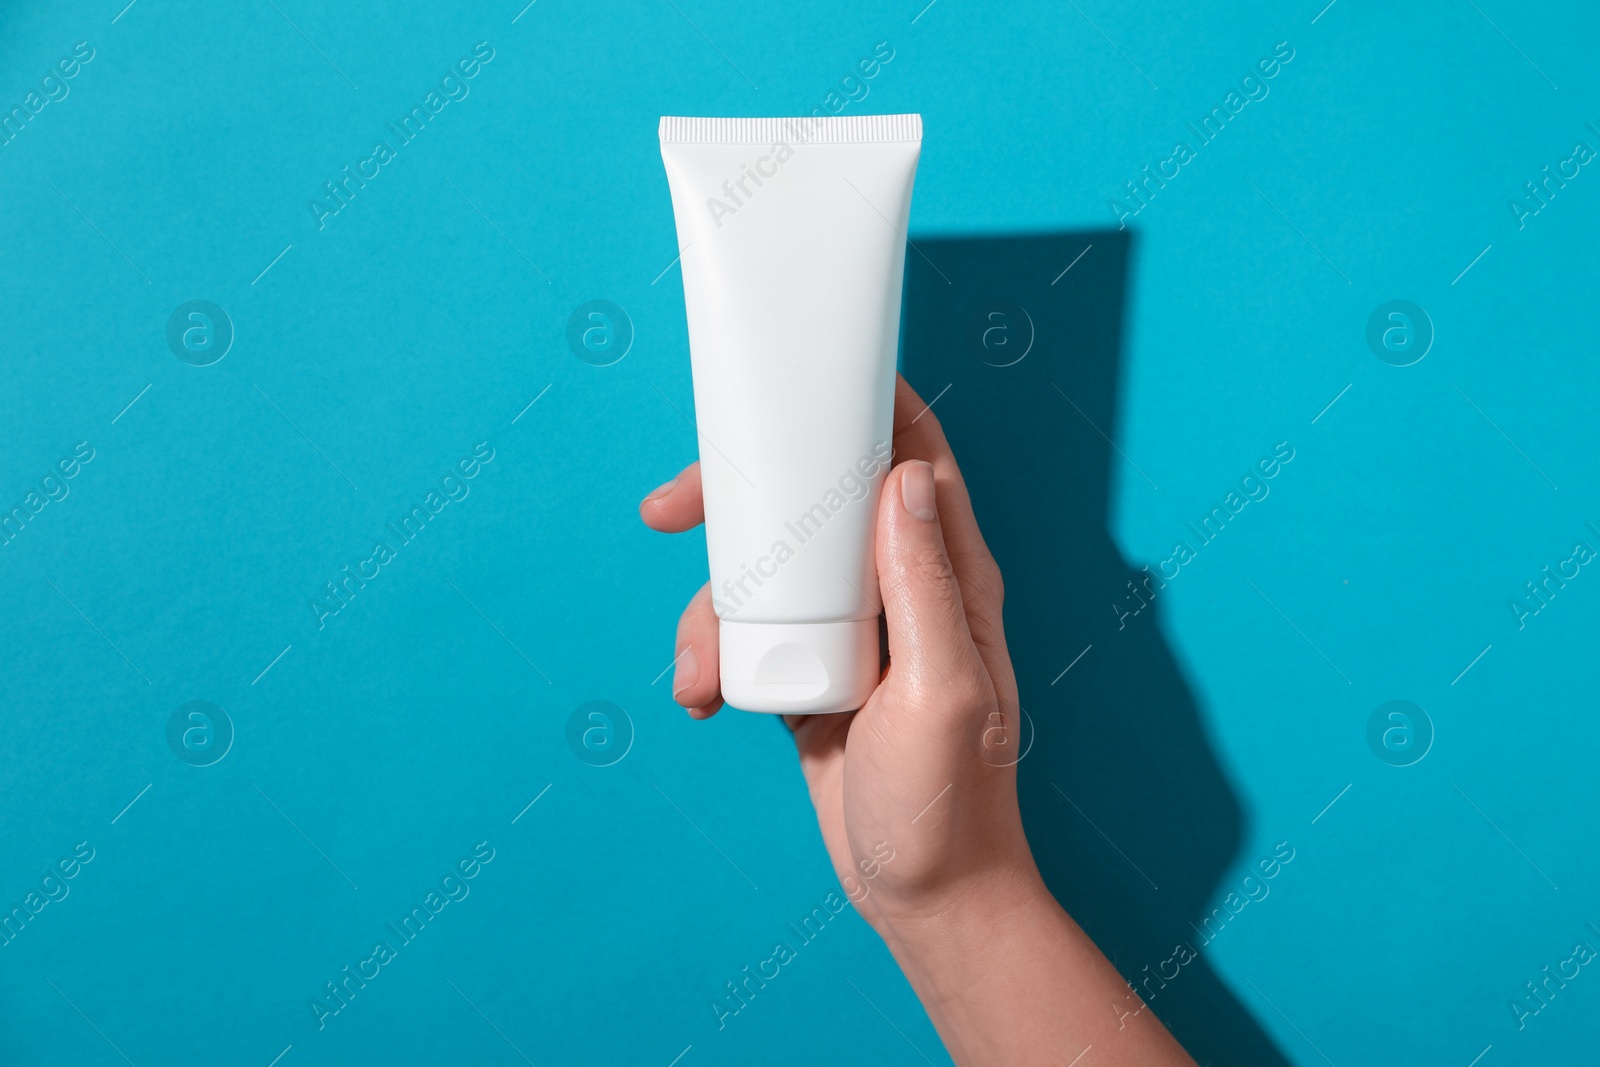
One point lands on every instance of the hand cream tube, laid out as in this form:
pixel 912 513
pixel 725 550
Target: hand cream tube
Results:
pixel 792 237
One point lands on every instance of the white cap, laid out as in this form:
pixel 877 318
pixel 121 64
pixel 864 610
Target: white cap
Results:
pixel 798 668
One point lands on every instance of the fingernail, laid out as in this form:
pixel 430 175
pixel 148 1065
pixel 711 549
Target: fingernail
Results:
pixel 916 490
pixel 662 490
pixel 688 672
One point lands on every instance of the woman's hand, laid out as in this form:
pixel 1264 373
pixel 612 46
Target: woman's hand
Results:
pixel 903 777
pixel 916 792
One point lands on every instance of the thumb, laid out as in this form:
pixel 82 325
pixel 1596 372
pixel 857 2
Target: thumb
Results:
pixel 931 653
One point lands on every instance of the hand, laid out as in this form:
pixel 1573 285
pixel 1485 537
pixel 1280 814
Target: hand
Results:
pixel 916 792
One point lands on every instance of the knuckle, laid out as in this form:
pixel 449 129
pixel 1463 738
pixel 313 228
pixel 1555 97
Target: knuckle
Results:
pixel 975 694
pixel 929 565
pixel 969 701
pixel 990 583
pixel 983 592
pixel 955 679
pixel 955 696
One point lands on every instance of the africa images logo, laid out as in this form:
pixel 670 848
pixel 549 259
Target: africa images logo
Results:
pixel 453 88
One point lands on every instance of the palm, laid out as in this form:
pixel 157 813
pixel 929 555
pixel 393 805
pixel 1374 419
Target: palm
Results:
pixel 843 758
pixel 879 782
pixel 824 744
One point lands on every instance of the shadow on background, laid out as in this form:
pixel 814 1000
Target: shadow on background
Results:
pixel 1127 810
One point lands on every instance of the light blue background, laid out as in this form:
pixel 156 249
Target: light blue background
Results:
pixel 415 325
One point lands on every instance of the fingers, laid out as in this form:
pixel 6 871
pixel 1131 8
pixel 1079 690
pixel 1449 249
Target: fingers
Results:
pixel 673 508
pixel 676 506
pixel 975 578
pixel 695 682
pixel 931 650
pixel 918 436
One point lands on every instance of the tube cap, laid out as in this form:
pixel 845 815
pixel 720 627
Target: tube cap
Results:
pixel 799 668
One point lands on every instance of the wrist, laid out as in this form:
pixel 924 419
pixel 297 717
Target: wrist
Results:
pixel 968 916
pixel 986 961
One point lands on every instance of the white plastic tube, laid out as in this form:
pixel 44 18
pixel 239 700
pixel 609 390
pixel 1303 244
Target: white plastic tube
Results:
pixel 792 235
